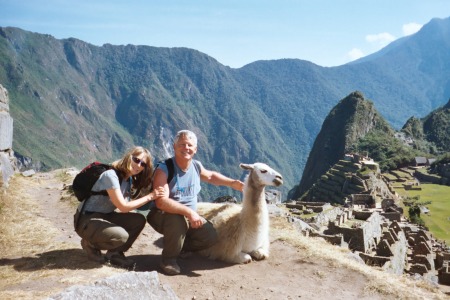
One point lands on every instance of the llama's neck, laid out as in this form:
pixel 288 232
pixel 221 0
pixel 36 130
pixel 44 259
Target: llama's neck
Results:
pixel 254 201
pixel 254 214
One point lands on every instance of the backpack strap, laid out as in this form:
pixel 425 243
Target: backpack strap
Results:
pixel 170 169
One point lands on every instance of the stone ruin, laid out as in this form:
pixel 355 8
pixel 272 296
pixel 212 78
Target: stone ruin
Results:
pixel 381 237
pixel 353 176
pixel 366 219
pixel 7 159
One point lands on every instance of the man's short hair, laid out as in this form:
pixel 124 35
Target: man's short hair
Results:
pixel 186 133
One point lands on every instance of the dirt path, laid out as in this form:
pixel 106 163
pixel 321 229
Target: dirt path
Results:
pixel 292 272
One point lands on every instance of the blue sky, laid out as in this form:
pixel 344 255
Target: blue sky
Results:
pixel 325 32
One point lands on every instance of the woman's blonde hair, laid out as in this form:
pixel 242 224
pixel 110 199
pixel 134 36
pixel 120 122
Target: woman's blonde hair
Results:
pixel 142 181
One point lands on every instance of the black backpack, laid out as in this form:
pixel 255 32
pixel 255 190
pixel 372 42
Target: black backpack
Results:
pixel 85 180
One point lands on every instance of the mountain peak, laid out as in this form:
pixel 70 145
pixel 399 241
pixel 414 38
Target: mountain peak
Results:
pixel 352 118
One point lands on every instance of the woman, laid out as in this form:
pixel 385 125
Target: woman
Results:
pixel 105 222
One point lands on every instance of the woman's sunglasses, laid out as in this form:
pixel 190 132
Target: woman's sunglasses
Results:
pixel 139 162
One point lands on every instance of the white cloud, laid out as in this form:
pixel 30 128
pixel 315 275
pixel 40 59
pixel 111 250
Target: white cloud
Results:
pixel 411 28
pixel 380 39
pixel 355 53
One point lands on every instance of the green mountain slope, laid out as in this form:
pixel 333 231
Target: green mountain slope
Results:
pixel 73 102
pixel 436 127
pixel 432 132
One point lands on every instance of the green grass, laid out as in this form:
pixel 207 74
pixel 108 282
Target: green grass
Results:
pixel 438 220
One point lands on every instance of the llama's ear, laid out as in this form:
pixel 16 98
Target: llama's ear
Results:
pixel 246 166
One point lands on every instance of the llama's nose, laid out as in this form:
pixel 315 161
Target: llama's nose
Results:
pixel 278 180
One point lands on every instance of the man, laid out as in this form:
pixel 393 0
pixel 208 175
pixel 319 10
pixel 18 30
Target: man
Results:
pixel 175 215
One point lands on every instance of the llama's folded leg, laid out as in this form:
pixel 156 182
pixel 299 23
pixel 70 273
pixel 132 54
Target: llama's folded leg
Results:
pixel 242 258
pixel 260 254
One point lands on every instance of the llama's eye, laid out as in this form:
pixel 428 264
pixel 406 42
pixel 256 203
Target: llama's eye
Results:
pixel 263 171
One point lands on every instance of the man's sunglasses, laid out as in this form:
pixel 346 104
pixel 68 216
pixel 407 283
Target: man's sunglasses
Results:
pixel 139 162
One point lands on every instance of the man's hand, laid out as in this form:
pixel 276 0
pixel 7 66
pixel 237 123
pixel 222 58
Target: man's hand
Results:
pixel 237 185
pixel 195 220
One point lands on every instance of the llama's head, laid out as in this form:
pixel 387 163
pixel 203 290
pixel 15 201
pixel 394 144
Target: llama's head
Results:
pixel 263 175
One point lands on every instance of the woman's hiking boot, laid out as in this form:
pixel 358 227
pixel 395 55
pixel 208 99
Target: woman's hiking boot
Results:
pixel 93 253
pixel 117 258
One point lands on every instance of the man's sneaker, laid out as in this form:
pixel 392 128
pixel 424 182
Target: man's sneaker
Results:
pixel 170 266
pixel 93 253
pixel 118 259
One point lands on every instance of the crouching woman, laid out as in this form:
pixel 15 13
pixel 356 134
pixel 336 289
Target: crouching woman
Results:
pixel 105 222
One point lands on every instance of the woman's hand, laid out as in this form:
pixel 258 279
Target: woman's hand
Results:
pixel 157 193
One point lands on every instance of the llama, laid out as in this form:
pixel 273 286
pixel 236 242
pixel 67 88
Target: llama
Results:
pixel 243 230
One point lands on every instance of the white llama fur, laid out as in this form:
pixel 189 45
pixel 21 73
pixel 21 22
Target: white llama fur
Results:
pixel 243 230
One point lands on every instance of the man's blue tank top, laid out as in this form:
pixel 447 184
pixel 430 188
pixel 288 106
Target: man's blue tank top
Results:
pixel 184 186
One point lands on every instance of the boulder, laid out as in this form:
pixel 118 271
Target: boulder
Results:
pixel 7 160
pixel 129 285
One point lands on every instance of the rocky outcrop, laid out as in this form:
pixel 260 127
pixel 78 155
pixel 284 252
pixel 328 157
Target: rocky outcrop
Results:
pixel 130 285
pixel 7 160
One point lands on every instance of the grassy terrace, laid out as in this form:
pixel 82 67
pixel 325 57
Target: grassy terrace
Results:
pixel 438 220
pixel 390 176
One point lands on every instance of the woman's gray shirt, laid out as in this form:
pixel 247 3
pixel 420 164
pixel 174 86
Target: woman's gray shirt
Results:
pixel 103 204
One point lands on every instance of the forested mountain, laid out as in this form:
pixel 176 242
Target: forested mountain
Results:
pixel 432 132
pixel 73 102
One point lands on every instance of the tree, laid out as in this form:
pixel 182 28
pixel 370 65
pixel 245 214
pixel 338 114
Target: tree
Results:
pixel 414 209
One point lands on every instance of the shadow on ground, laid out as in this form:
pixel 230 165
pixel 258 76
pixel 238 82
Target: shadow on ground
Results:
pixel 72 259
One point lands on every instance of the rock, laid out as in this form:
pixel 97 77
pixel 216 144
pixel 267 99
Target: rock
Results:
pixel 129 285
pixel 28 173
pixel 7 160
